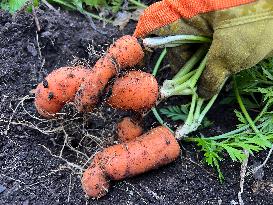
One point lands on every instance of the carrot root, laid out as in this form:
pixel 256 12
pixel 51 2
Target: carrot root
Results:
pixel 149 151
pixel 58 88
pixel 125 52
pixel 137 91
pixel 128 129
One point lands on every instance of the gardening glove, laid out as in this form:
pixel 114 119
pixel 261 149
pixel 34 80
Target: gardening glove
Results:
pixel 242 33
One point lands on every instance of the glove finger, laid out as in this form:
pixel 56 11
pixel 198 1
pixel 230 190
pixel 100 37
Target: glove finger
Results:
pixel 212 79
pixel 155 16
pixel 165 12
pixel 230 53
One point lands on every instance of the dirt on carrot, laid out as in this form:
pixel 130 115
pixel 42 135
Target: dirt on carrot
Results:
pixel 128 129
pixel 137 91
pixel 125 52
pixel 58 88
pixel 149 151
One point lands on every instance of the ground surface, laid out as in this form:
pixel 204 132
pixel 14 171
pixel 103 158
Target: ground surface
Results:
pixel 30 174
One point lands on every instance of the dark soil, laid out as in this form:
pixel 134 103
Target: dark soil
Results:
pixel 30 174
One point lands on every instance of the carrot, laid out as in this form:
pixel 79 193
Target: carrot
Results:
pixel 128 129
pixel 58 88
pixel 149 151
pixel 137 90
pixel 96 182
pixel 125 52
pixel 88 94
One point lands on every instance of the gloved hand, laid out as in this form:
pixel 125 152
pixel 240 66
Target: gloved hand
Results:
pixel 242 32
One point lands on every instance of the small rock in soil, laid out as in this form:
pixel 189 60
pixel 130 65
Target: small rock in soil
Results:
pixel 2 188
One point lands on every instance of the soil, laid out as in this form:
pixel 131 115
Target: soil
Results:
pixel 32 169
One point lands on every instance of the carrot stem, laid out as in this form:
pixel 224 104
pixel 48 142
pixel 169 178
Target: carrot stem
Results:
pixel 198 73
pixel 138 3
pixel 159 61
pixel 243 108
pixel 173 41
pixel 197 56
pixel 195 116
pixel 159 119
pixel 185 84
pixel 183 78
pixel 208 106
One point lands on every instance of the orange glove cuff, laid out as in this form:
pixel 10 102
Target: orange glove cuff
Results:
pixel 165 12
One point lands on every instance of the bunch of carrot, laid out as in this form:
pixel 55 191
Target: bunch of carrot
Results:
pixel 137 90
pixel 83 86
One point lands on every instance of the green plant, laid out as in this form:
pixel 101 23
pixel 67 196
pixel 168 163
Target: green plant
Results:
pixel 82 6
pixel 254 93
pixel 180 113
pixel 15 5
pixel 184 82
pixel 251 135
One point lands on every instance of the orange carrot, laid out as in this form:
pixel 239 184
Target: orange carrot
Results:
pixel 58 88
pixel 88 93
pixel 128 129
pixel 99 185
pixel 126 51
pixel 137 90
pixel 149 151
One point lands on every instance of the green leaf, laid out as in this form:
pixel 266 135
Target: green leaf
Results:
pixel 116 5
pixel 95 3
pixel 266 92
pixel 235 154
pixel 35 4
pixel 267 73
pixel 176 112
pixel 240 117
pixel 78 5
pixel 249 104
pixel 4 5
pixel 65 4
pixel 15 5
pixel 260 141
pixel 206 123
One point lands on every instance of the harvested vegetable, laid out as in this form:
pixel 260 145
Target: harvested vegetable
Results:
pixel 137 90
pixel 149 151
pixel 89 91
pixel 128 129
pixel 125 52
pixel 58 88
pixel 94 181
